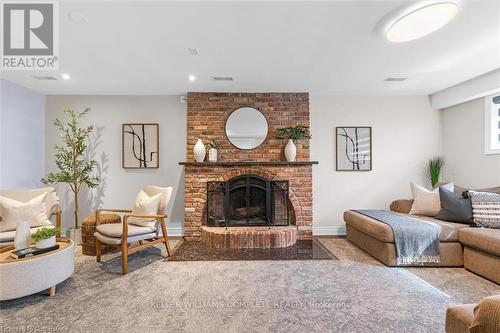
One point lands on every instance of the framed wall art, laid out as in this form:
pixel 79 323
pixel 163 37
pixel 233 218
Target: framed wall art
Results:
pixel 353 148
pixel 140 146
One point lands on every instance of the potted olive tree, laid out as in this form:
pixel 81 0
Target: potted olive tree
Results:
pixel 70 157
pixel 292 134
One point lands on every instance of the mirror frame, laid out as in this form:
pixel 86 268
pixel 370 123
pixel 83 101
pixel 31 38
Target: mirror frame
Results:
pixel 236 109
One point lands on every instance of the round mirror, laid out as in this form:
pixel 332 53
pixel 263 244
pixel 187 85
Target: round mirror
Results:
pixel 246 128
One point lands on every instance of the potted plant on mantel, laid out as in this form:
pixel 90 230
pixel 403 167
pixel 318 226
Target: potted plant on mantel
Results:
pixel 70 159
pixel 292 134
pixel 212 152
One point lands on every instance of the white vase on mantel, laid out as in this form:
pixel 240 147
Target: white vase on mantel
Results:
pixel 212 155
pixel 199 151
pixel 290 151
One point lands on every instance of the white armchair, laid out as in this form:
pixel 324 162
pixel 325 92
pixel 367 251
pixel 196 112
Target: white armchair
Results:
pixel 51 204
pixel 124 235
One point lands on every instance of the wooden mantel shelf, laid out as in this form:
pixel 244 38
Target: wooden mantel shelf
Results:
pixel 249 163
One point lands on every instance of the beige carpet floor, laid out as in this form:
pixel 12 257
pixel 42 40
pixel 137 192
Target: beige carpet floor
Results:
pixel 353 294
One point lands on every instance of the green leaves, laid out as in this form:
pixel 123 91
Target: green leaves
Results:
pixel 70 157
pixel 299 132
pixel 434 167
pixel 45 233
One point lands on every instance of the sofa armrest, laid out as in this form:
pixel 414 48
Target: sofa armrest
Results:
pixel 402 206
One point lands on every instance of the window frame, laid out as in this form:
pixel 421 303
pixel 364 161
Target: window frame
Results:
pixel 488 124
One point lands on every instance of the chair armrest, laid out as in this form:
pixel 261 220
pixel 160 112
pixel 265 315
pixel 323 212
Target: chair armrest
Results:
pixel 58 214
pixel 125 223
pixel 99 210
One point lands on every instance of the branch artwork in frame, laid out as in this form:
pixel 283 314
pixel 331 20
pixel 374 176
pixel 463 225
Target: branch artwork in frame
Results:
pixel 354 148
pixel 140 146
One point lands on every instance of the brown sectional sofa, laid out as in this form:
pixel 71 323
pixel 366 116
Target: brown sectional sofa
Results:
pixel 477 249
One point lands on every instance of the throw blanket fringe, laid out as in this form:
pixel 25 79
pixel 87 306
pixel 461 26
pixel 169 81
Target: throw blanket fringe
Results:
pixel 418 260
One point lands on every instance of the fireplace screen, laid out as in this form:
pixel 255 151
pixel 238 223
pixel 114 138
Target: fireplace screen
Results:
pixel 247 201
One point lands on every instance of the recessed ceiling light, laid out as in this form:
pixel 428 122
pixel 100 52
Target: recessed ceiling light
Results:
pixel 422 21
pixel 192 78
pixel 44 78
pixel 65 76
pixel 222 78
pixel 193 51
pixel 77 17
pixel 395 79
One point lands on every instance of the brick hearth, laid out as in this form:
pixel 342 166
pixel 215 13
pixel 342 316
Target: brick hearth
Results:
pixel 206 118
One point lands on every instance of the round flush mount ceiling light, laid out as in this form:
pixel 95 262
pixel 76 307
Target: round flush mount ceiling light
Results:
pixel 65 76
pixel 421 21
pixel 191 78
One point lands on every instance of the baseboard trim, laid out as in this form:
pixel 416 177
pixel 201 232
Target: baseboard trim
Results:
pixel 329 231
pixel 175 231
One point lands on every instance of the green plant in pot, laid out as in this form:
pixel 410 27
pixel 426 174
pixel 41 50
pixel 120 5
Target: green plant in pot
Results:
pixel 434 168
pixel 71 160
pixel 45 237
pixel 293 134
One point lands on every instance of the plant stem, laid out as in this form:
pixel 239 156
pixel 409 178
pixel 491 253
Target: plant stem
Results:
pixel 76 208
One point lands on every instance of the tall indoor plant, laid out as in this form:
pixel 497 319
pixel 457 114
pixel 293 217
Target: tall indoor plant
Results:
pixel 70 157
pixel 434 168
pixel 299 132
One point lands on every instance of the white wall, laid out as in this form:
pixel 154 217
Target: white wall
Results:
pixel 463 146
pixel 22 129
pixel 122 185
pixel 406 132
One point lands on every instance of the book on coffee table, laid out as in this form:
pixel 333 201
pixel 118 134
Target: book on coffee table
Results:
pixel 32 251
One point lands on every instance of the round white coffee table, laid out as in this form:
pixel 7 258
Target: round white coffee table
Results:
pixel 27 276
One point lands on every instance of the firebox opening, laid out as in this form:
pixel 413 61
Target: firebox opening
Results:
pixel 248 201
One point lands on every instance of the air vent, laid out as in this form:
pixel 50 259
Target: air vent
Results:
pixel 193 51
pixel 44 78
pixel 395 79
pixel 222 78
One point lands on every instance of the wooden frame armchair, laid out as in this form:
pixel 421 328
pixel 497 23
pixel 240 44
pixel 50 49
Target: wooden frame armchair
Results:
pixel 124 235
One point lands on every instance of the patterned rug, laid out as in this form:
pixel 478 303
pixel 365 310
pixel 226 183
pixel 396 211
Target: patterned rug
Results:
pixel 353 294
pixel 302 250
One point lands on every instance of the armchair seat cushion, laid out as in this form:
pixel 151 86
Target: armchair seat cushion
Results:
pixel 117 240
pixel 114 230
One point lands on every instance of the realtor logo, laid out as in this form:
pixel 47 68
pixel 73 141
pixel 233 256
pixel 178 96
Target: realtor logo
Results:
pixel 30 36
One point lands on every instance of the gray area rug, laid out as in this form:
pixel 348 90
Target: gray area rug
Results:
pixel 353 294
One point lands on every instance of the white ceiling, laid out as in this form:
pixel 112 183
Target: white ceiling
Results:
pixel 328 47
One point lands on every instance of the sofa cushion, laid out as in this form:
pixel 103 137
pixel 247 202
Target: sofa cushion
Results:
pixel 448 231
pixel 115 230
pixel 426 202
pixel 484 239
pixel 460 190
pixel 8 236
pixel 454 208
pixel 486 209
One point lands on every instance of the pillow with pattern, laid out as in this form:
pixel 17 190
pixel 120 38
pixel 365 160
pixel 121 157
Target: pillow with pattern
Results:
pixel 486 209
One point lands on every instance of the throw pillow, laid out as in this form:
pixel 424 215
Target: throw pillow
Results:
pixel 426 202
pixel 145 205
pixel 13 211
pixel 454 208
pixel 486 209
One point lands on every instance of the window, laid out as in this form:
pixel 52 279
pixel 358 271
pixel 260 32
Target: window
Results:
pixel 492 131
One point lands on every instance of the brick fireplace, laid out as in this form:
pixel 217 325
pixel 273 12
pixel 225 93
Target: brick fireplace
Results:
pixel 206 118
